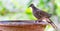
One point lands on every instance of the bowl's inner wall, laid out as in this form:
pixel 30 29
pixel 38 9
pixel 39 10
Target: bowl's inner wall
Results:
pixel 21 22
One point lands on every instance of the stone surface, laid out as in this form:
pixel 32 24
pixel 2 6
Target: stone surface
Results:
pixel 25 27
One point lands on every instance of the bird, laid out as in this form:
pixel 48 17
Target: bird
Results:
pixel 41 15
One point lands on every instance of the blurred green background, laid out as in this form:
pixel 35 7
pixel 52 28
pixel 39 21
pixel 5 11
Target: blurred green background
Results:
pixel 18 10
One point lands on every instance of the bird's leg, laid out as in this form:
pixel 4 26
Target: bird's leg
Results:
pixel 39 20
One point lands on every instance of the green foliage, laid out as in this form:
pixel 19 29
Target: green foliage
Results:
pixel 58 10
pixel 30 14
pixel 29 11
pixel 4 11
pixel 41 4
pixel 0 3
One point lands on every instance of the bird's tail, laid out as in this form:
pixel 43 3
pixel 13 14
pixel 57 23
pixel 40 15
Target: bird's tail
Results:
pixel 53 25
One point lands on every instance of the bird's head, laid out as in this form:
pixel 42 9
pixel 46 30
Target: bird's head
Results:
pixel 31 5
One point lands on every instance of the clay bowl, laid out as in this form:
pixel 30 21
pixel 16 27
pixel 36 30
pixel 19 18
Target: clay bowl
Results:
pixel 22 25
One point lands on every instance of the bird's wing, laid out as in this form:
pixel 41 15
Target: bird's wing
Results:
pixel 37 14
pixel 44 14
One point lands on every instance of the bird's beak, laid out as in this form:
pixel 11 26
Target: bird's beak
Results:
pixel 29 6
